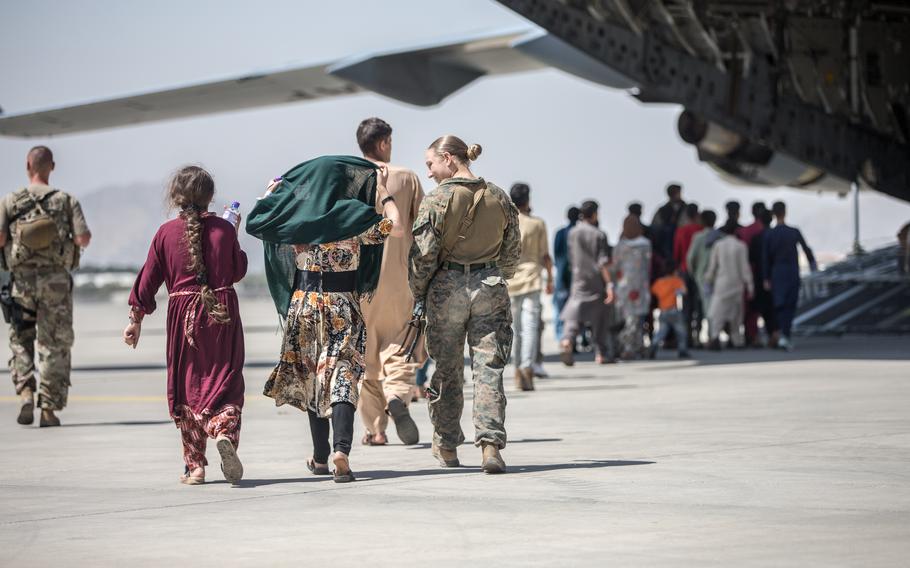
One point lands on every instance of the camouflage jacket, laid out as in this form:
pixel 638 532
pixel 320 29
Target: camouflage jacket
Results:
pixel 429 227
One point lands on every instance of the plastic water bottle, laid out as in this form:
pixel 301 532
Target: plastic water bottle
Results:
pixel 232 213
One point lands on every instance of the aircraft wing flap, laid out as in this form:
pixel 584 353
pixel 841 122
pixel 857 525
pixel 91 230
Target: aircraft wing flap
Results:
pixel 426 76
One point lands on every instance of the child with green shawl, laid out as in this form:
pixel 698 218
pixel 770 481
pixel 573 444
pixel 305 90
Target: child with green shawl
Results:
pixel 323 249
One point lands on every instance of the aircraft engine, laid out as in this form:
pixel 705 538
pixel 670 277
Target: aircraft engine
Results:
pixel 744 162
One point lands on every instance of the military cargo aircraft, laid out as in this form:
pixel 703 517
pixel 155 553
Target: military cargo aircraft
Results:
pixel 806 94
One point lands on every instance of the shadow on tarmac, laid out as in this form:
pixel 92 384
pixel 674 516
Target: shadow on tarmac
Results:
pixel 374 475
pixel 250 483
pixel 859 349
pixel 855 347
pixel 360 476
pixel 582 464
pixel 122 423
pixel 428 445
pixel 513 469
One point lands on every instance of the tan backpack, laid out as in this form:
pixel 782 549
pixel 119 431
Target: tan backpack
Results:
pixel 41 234
pixel 465 223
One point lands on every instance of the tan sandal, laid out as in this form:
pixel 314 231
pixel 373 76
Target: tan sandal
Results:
pixel 231 466
pixel 374 440
pixel 342 473
pixel 188 479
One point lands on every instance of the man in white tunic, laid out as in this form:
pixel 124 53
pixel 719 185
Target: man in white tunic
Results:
pixel 729 276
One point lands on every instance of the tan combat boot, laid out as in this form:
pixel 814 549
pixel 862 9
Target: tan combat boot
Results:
pixel 27 412
pixel 48 418
pixel 446 458
pixel 492 460
pixel 527 379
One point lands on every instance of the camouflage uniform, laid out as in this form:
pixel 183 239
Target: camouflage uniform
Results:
pixel 462 303
pixel 42 288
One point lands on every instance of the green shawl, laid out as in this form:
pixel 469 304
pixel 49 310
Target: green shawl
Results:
pixel 323 200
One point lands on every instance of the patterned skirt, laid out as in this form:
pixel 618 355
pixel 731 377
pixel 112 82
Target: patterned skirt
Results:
pixel 322 353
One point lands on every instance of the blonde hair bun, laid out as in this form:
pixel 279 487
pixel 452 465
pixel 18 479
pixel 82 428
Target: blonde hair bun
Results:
pixel 474 151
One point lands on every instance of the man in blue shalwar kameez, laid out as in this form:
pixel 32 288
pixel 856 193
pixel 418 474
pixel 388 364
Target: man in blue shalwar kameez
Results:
pixel 563 268
pixel 780 264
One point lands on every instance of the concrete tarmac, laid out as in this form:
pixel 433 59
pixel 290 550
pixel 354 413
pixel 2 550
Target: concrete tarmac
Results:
pixel 739 458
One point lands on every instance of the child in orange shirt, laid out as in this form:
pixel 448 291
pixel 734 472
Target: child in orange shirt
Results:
pixel 669 291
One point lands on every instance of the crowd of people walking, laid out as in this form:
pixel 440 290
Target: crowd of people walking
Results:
pixel 705 282
pixel 373 279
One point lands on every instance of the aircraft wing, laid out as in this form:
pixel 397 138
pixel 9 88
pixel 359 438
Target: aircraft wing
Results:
pixel 422 75
pixel 242 92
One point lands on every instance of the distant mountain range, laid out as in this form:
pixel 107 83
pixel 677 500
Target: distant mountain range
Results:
pixel 123 220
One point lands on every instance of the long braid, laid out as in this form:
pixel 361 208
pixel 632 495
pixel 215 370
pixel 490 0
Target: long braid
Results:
pixel 193 235
pixel 191 190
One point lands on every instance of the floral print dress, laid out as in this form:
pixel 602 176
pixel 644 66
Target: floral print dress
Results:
pixel 322 354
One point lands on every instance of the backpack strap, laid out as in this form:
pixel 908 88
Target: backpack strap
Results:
pixel 35 202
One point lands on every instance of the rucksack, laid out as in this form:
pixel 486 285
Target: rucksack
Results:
pixel 35 228
pixel 41 235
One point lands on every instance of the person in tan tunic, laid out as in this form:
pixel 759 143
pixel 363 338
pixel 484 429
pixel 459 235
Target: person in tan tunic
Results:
pixel 390 379
pixel 525 288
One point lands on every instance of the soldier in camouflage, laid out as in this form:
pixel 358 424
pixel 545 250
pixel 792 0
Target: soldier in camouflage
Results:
pixel 466 243
pixel 41 232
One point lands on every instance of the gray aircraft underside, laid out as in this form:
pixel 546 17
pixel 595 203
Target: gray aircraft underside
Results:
pixel 811 94
pixel 425 75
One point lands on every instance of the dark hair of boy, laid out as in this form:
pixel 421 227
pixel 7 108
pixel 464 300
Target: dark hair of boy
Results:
pixel 520 194
pixel 370 132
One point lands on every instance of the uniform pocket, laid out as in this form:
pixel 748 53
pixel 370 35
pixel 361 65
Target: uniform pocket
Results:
pixel 493 281
pixel 56 287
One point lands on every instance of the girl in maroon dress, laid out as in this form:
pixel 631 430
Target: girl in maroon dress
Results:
pixel 198 258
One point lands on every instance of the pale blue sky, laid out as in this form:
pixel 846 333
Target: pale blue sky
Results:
pixel 569 139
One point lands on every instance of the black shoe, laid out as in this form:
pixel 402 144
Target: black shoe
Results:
pixel 26 414
pixel 404 424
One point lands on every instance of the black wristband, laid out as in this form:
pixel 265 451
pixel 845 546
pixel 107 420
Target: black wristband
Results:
pixel 386 199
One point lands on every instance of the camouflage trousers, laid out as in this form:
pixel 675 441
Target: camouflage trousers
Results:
pixel 49 296
pixel 473 306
